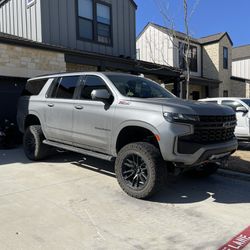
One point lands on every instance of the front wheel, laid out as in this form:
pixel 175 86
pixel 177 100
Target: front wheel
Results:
pixel 139 169
pixel 33 145
pixel 204 170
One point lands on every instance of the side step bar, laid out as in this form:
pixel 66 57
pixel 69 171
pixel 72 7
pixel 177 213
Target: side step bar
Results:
pixel 79 150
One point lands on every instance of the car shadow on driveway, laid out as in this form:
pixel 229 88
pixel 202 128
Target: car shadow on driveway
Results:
pixel 177 190
pixel 183 189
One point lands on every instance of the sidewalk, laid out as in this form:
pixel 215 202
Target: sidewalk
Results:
pixel 240 160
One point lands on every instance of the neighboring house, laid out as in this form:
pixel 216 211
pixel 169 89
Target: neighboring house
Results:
pixel 241 70
pixel 106 26
pixel 43 37
pixel 210 58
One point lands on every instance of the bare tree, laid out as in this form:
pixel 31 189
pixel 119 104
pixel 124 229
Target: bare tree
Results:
pixel 169 24
pixel 187 53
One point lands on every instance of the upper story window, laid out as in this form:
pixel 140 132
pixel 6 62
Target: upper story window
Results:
pixel 94 21
pixel 225 57
pixel 192 57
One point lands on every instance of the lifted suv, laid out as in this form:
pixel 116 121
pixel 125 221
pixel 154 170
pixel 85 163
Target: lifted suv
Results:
pixel 128 118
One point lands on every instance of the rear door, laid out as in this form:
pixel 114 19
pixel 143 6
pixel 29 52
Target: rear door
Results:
pixel 59 108
pixel 92 118
pixel 242 128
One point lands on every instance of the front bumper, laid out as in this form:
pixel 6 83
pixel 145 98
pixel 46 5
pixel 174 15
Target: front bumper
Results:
pixel 206 152
pixel 214 152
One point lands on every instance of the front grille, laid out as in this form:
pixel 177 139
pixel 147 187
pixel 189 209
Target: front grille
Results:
pixel 212 129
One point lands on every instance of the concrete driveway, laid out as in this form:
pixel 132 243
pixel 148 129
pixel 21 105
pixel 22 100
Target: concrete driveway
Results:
pixel 66 203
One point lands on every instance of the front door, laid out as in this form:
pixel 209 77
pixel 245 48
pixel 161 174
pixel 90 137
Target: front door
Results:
pixel 92 119
pixel 59 109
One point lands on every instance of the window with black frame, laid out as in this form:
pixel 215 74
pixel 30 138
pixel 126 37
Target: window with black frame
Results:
pixel 192 57
pixel 94 21
pixel 225 57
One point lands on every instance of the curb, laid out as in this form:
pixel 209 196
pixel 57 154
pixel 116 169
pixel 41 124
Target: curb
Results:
pixel 233 174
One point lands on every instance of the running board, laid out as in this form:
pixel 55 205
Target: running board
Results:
pixel 78 150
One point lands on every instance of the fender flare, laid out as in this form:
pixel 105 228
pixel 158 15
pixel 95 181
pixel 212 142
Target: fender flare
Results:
pixel 131 123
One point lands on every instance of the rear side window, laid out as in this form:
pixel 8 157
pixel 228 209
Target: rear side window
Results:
pixel 34 87
pixel 64 87
pixel 233 104
pixel 91 83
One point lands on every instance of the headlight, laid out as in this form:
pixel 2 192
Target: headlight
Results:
pixel 182 118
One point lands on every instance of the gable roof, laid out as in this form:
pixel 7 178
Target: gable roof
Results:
pixel 167 31
pixel 203 40
pixel 241 52
pixel 133 2
pixel 214 38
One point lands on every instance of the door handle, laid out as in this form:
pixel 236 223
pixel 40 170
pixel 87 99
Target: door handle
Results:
pixel 79 107
pixel 51 105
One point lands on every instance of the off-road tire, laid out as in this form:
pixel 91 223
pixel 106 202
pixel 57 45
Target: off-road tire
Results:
pixel 203 171
pixel 153 163
pixel 33 145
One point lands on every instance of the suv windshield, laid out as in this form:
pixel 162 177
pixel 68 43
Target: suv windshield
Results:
pixel 247 101
pixel 134 86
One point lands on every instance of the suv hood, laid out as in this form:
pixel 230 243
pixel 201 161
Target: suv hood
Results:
pixel 177 105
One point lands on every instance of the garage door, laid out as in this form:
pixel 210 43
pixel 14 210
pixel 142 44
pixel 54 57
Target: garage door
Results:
pixel 10 90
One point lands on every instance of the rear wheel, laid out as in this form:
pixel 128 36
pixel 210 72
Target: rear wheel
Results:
pixel 139 169
pixel 204 170
pixel 33 145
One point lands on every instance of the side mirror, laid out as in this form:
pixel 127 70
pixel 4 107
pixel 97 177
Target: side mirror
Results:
pixel 100 95
pixel 241 109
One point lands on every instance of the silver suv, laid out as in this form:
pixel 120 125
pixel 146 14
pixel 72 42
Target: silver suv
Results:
pixel 131 119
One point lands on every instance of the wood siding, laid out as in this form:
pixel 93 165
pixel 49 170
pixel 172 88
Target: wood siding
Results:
pixel 59 27
pixel 16 18
pixel 241 68
pixel 155 46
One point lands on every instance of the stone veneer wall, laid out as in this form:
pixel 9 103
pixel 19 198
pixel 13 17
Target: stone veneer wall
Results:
pixel 18 61
pixel 240 89
pixel 225 74
pixel 211 61
pixel 213 65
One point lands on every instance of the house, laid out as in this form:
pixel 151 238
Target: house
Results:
pixel 241 70
pixel 105 27
pixel 210 58
pixel 40 37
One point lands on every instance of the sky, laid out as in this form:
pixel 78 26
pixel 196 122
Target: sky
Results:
pixel 208 17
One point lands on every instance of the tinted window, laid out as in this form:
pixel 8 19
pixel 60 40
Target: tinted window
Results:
pixel 65 87
pixel 134 86
pixel 247 101
pixel 34 87
pixel 233 104
pixel 91 83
